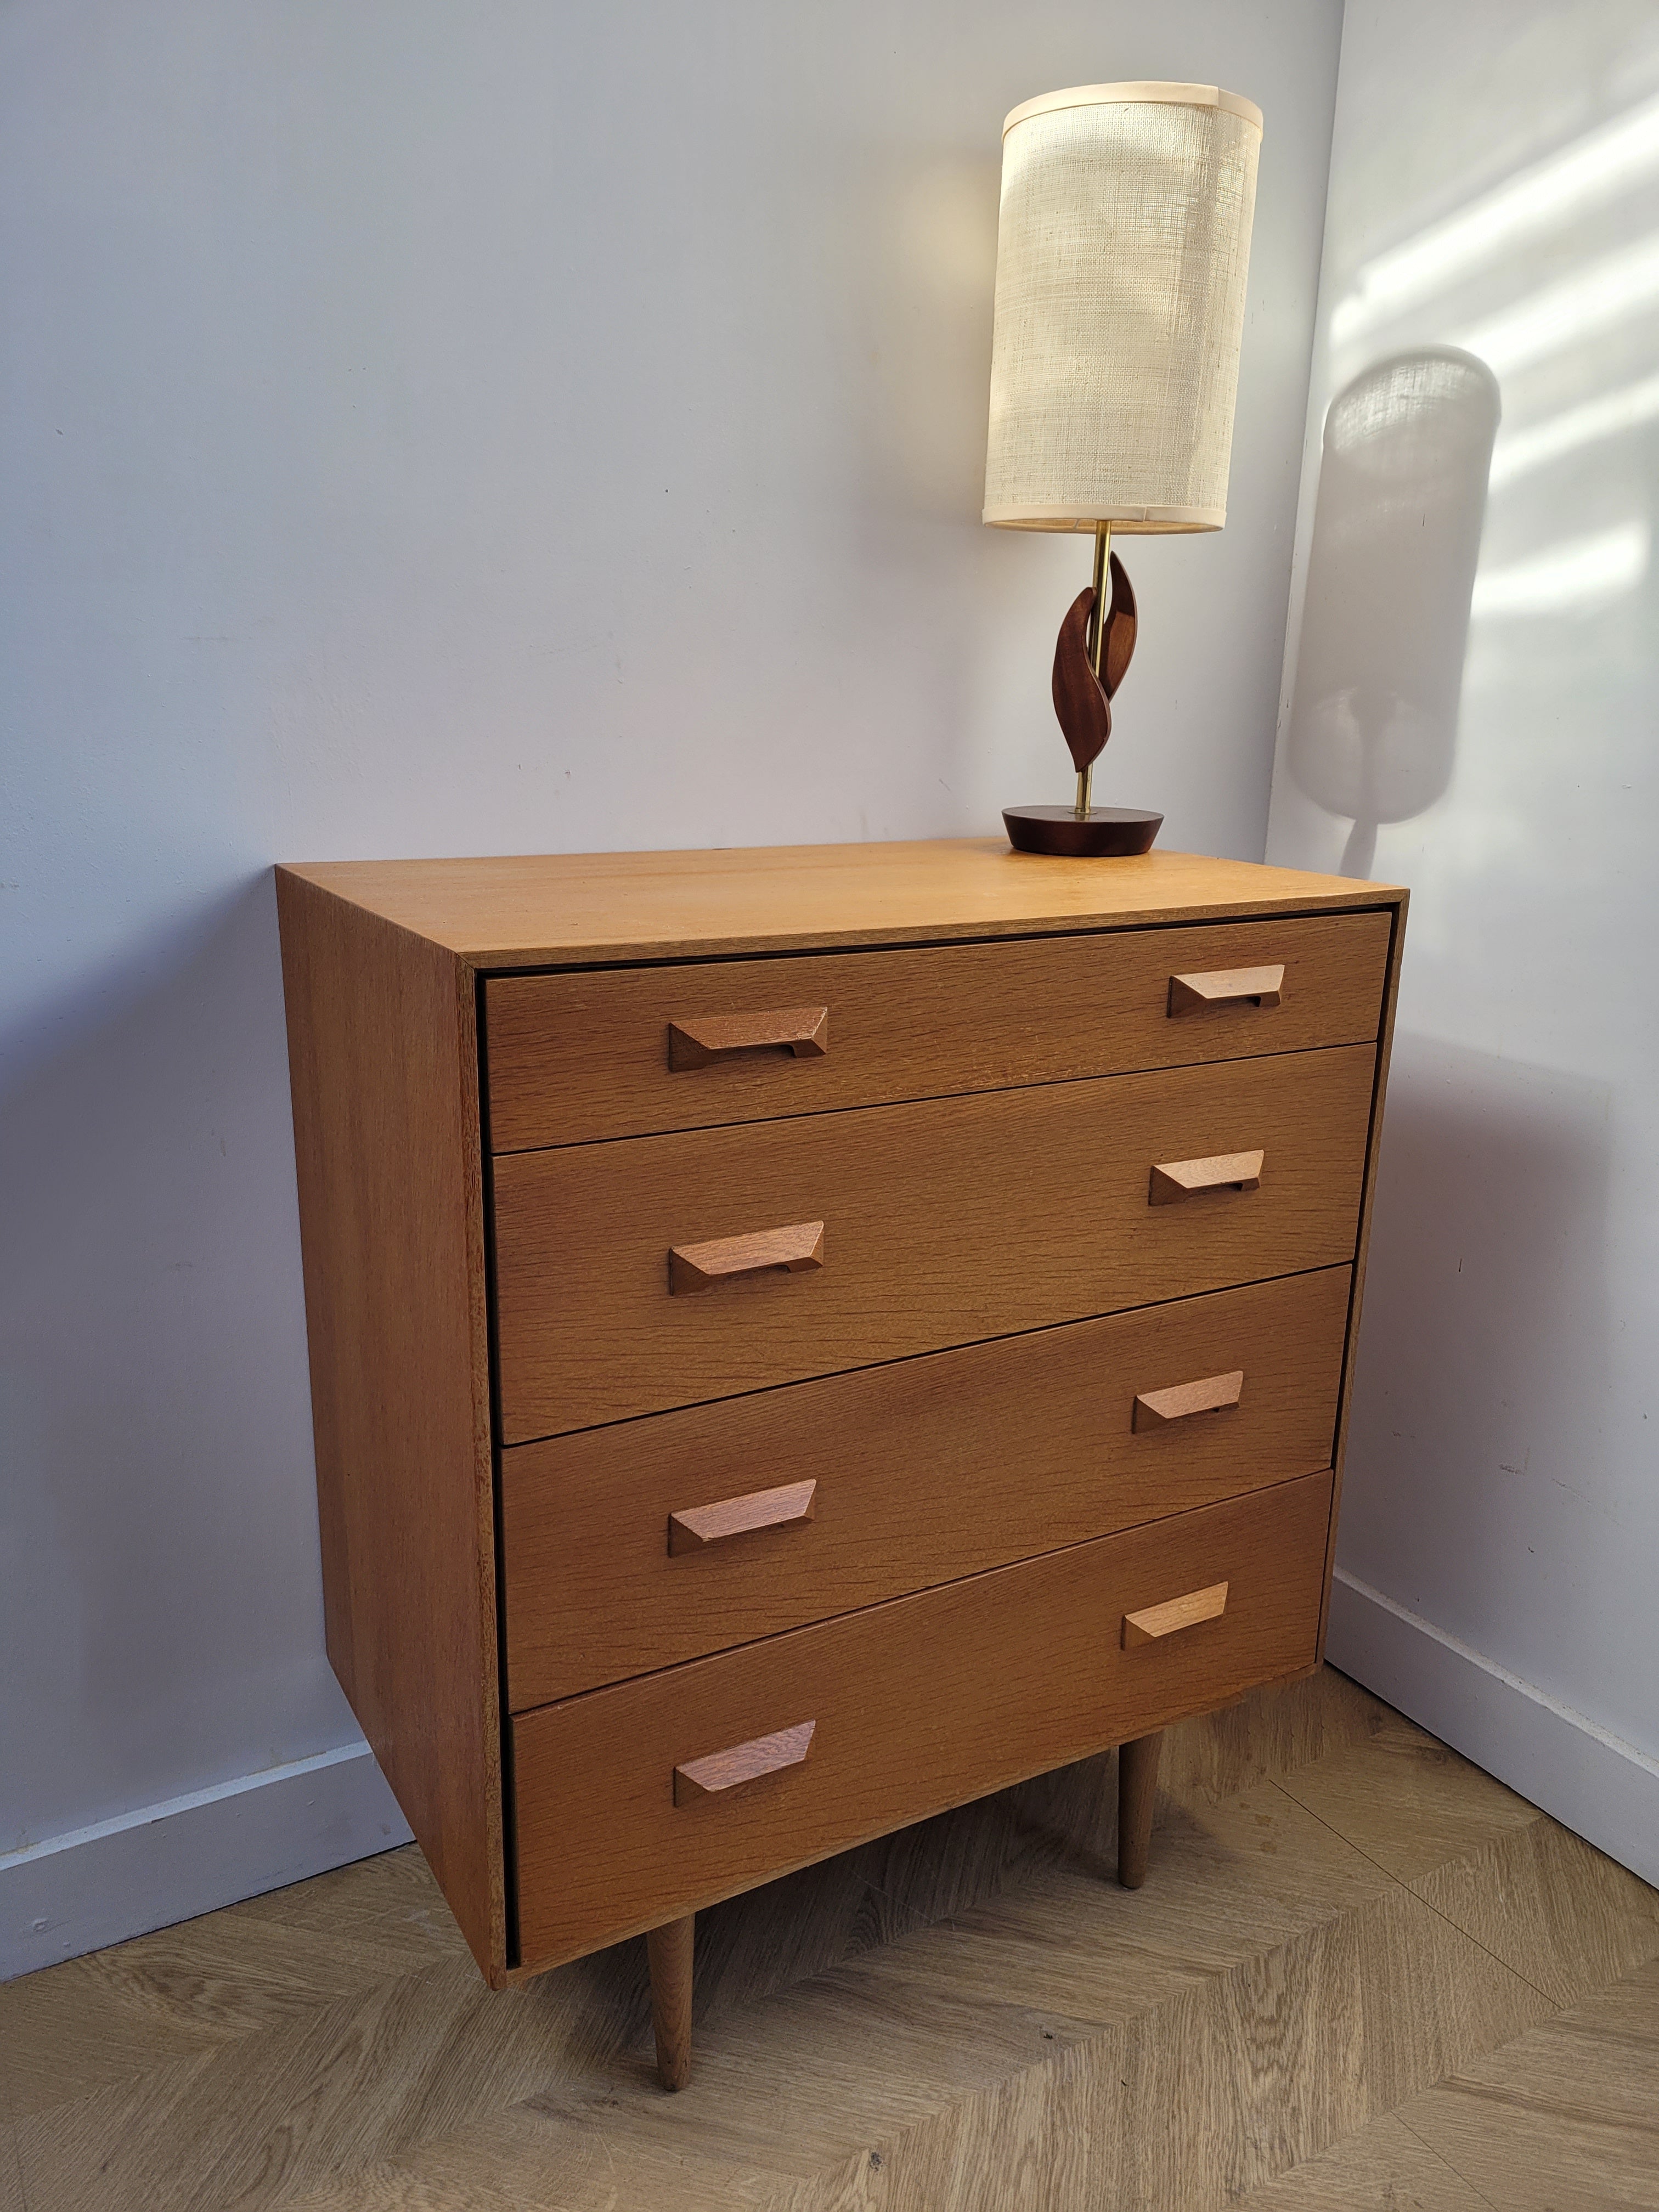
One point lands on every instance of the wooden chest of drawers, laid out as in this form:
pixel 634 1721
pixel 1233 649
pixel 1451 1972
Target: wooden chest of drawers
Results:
pixel 802 1338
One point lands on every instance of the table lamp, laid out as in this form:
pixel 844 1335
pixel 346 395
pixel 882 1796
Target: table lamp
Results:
pixel 1123 248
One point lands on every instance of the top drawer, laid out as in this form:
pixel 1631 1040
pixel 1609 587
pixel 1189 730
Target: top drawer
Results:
pixel 593 1052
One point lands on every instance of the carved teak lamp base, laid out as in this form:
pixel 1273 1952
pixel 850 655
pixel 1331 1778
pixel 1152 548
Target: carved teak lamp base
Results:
pixel 1091 653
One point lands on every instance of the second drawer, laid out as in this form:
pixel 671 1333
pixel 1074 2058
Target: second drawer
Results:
pixel 796 1504
pixel 892 1229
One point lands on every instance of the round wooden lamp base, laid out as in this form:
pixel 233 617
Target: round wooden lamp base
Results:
pixel 1103 833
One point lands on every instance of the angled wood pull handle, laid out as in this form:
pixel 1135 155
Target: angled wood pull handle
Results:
pixel 1156 1621
pixel 1226 987
pixel 700 1525
pixel 797 1250
pixel 699 1040
pixel 1177 1179
pixel 746 1762
pixel 1214 1393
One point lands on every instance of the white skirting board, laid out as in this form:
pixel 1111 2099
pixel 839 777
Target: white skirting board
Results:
pixel 171 1862
pixel 1603 1789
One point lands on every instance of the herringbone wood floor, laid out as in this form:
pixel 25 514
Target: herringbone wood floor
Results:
pixel 1361 1974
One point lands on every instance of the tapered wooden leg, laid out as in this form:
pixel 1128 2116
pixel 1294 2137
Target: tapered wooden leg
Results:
pixel 1137 1790
pixel 669 1949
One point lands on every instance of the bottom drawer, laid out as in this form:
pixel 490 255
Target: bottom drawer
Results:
pixel 916 1704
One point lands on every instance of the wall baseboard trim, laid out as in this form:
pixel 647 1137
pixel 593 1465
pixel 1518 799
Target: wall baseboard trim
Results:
pixel 1603 1789
pixel 167 1863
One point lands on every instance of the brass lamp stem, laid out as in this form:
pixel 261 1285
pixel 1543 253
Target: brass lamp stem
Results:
pixel 1096 644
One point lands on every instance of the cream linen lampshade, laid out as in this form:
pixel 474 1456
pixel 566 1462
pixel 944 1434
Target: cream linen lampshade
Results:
pixel 1122 256
pixel 1122 252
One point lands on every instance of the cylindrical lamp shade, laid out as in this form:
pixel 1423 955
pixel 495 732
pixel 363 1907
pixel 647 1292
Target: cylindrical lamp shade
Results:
pixel 1122 255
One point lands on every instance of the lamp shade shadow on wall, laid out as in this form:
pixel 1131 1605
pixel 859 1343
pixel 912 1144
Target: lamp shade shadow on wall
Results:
pixel 1396 532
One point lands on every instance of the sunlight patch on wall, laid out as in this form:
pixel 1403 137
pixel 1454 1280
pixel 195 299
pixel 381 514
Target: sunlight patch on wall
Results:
pixel 1593 169
pixel 1571 578
pixel 1605 417
pixel 1610 290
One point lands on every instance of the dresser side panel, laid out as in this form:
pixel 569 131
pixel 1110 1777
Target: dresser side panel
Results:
pixel 1373 1148
pixel 383 1063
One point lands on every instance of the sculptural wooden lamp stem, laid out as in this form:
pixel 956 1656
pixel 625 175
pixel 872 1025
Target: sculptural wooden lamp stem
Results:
pixel 1122 256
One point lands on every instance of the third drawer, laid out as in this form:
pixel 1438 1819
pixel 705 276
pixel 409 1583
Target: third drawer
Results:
pixel 938 1224
pixel 649 1542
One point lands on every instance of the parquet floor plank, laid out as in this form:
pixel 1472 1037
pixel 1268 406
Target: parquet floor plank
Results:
pixel 11 2179
pixel 1268 1734
pixel 117 2013
pixel 1566 2118
pixel 1383 2168
pixel 1242 2075
pixel 1341 1985
pixel 1406 1801
pixel 1559 1913
pixel 527 2161
pixel 1234 1879
pixel 355 2079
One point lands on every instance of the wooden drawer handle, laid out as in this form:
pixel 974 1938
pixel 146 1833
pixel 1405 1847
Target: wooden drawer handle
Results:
pixel 1177 1179
pixel 745 1762
pixel 1173 1615
pixel 700 1267
pixel 1226 987
pixel 1156 1409
pixel 698 1042
pixel 699 1525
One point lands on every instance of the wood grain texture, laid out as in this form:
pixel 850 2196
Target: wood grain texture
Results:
pixel 580 1056
pixel 1090 661
pixel 1137 1798
pixel 1410 1803
pixel 1081 706
pixel 1174 1616
pixel 1566 2118
pixel 168 2002
pixel 973 2004
pixel 1008 1449
pixel 1383 2168
pixel 701 1041
pixel 1201 993
pixel 604 1851
pixel 1549 1906
pixel 794 1249
pixel 787 1506
pixel 388 1129
pixel 670 1950
pixel 11 2177
pixel 741 1764
pixel 1186 1402
pixel 1373 1154
pixel 1174 1181
pixel 549 909
pixel 931 1240
pixel 383 1061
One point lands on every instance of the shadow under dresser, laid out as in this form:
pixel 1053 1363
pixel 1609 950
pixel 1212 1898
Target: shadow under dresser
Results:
pixel 804 1337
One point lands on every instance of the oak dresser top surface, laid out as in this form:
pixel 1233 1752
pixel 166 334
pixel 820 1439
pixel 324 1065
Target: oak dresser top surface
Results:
pixel 543 909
